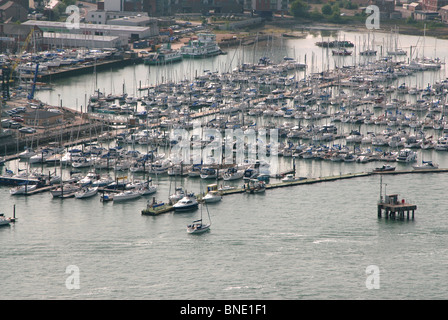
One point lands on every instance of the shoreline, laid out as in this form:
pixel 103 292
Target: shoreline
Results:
pixel 291 26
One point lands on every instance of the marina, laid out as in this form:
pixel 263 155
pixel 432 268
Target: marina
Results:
pixel 342 120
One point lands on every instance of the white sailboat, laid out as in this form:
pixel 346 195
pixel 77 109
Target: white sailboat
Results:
pixel 86 192
pixel 198 226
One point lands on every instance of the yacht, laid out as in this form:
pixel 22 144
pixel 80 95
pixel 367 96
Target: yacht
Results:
pixel 86 192
pixel 209 173
pixel 147 189
pixel 126 195
pixel 178 194
pixel 23 189
pixel 255 186
pixel 65 190
pixel 233 174
pixel 187 203
pixel 213 194
pixel 407 155
pixel 426 165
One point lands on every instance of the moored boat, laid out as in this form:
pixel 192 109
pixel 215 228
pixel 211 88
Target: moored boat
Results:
pixel 426 165
pixel 86 192
pixel 187 203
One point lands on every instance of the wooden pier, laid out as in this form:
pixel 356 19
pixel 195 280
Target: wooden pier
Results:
pixel 395 209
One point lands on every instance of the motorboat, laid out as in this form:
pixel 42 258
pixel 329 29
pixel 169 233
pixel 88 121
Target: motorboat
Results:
pixel 426 165
pixel 86 192
pixel 213 194
pixel 187 203
pixel 407 155
pixel 255 186
pixel 23 189
pixel 290 178
pixel 126 195
pixel 384 168
pixel 4 221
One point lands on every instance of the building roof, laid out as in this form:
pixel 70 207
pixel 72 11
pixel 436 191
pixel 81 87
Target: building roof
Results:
pixel 41 114
pixel 444 8
pixel 62 25
pixel 17 29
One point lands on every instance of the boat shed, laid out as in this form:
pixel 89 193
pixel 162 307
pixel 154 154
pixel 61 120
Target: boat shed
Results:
pixel 130 33
pixel 74 40
pixel 42 118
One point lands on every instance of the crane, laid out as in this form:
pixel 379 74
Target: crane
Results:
pixel 24 45
pixel 31 95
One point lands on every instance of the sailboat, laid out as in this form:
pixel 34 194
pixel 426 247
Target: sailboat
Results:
pixel 197 226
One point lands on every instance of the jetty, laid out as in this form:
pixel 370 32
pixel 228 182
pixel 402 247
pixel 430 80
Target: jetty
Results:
pixel 393 208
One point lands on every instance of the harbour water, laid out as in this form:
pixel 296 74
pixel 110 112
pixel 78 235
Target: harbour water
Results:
pixel 304 242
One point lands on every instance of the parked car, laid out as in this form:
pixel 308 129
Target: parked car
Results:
pixel 15 125
pixel 6 123
pixel 17 119
pixel 27 130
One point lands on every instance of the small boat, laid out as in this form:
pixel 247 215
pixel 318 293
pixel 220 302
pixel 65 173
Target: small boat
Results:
pixel 341 52
pixel 187 203
pixel 407 155
pixel 178 194
pixel 65 190
pixel 194 172
pixel 426 165
pixel 23 189
pixel 106 197
pixel 255 186
pixel 86 192
pixel 3 220
pixel 233 174
pixel 198 227
pixel 290 178
pixel 385 167
pixel 126 195
pixel 208 173
pixel 368 52
pixel 148 189
pixel 213 194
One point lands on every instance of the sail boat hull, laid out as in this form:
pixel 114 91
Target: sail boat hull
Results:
pixel 198 228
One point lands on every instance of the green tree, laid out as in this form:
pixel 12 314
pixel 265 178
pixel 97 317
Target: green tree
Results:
pixel 326 9
pixel 299 9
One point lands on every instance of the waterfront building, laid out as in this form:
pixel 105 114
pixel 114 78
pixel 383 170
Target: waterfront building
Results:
pixel 42 118
pixel 14 37
pixel 130 33
pixel 74 40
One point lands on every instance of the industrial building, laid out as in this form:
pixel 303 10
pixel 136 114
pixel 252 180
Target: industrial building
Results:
pixel 130 33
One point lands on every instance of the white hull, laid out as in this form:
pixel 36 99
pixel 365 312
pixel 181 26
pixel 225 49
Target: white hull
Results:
pixel 22 189
pixel 87 193
pixel 127 195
